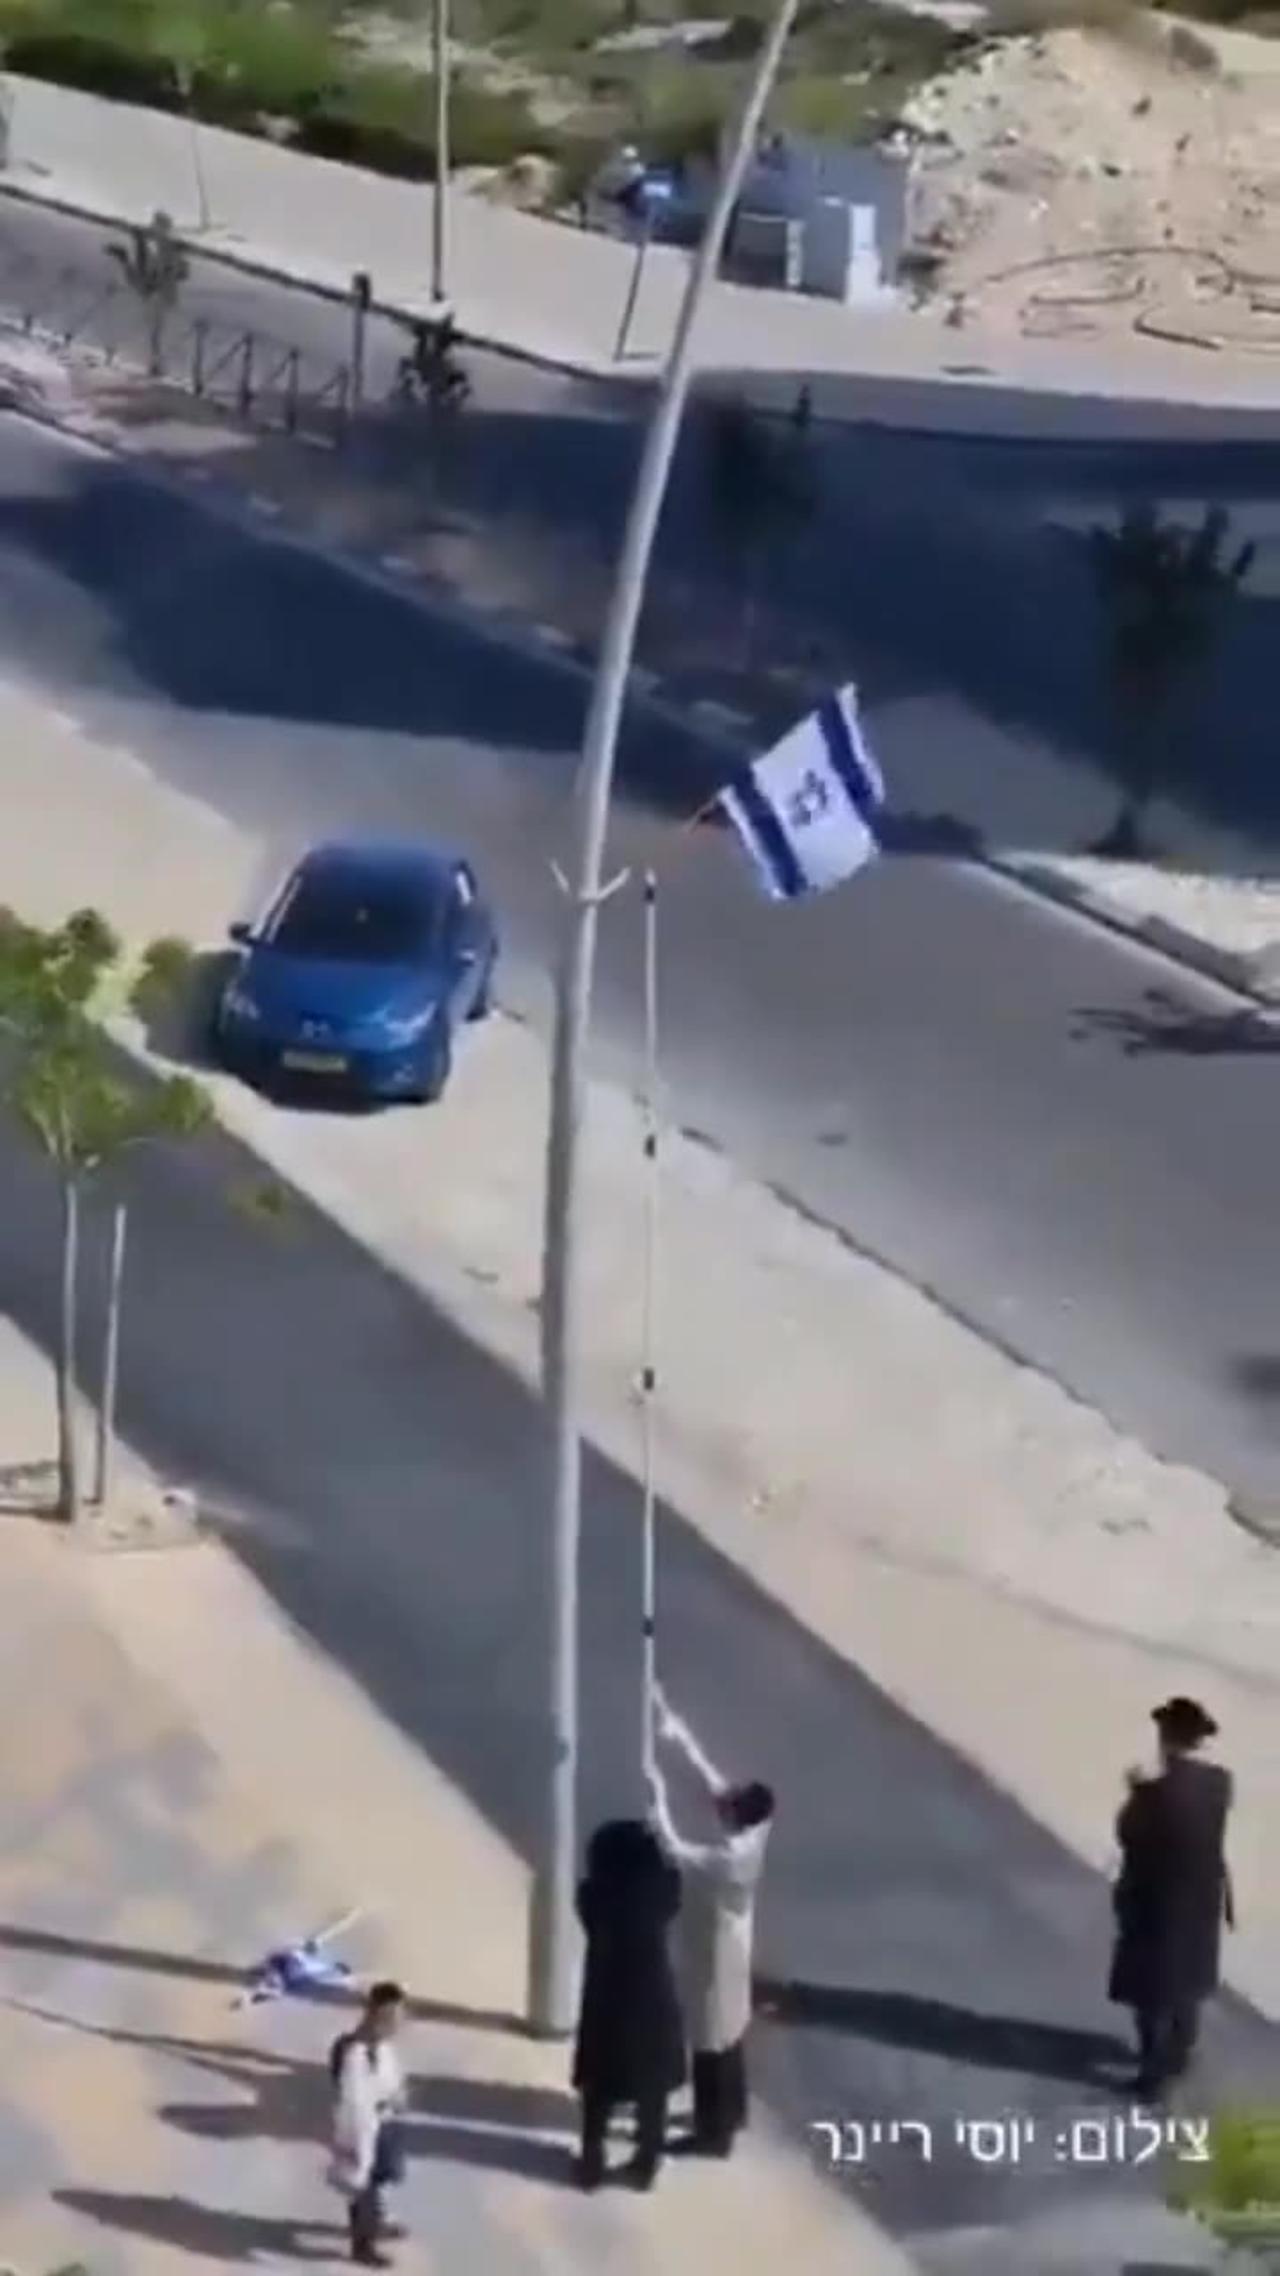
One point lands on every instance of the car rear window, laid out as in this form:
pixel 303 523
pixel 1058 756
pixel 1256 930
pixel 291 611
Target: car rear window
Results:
pixel 357 920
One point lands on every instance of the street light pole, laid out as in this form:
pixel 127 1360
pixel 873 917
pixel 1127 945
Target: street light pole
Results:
pixel 440 66
pixel 551 1926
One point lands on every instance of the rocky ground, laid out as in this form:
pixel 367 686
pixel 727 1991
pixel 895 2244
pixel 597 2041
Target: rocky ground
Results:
pixel 1094 180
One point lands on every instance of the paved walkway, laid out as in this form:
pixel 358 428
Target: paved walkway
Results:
pixel 160 1827
pixel 554 292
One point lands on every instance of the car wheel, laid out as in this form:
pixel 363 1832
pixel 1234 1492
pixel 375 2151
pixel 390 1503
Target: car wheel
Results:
pixel 435 1080
pixel 483 1004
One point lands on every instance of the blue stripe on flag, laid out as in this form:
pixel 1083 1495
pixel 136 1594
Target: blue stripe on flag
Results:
pixel 843 754
pixel 775 846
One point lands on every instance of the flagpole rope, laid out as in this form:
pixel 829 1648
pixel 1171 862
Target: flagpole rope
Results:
pixel 649 1324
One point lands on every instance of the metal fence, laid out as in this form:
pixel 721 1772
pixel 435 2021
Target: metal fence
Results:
pixel 103 321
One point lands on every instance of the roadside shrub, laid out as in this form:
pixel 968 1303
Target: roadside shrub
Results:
pixel 1237 2194
pixel 258 63
pixel 242 63
pixel 100 49
pixel 579 158
pixel 549 30
pixel 383 120
pixel 245 65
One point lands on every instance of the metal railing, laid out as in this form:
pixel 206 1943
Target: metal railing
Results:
pixel 256 377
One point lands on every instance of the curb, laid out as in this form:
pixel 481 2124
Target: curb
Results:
pixel 1227 967
pixel 717 725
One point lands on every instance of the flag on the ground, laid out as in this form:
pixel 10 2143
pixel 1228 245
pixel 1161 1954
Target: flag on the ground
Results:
pixel 806 812
pixel 295 1970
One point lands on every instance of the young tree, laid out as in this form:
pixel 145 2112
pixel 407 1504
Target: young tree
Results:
pixel 82 1109
pixel 155 268
pixel 1164 589
pixel 761 490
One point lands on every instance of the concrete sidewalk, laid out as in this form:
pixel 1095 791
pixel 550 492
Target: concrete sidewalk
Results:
pixel 555 293
pixel 161 1826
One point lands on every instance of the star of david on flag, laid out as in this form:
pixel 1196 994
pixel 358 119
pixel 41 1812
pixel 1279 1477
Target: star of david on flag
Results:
pixel 806 811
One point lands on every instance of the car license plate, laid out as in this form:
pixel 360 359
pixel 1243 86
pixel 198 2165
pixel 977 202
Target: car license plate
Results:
pixel 314 1062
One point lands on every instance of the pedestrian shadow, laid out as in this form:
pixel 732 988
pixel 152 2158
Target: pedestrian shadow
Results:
pixel 527 2131
pixel 954 2034
pixel 492 2124
pixel 192 1967
pixel 526 2157
pixel 279 2099
pixel 493 2102
pixel 487 2123
pixel 202 2229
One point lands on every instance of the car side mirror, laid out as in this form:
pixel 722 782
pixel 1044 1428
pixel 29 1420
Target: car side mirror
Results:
pixel 241 933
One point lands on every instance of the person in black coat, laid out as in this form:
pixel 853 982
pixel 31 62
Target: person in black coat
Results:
pixel 1172 1894
pixel 630 2047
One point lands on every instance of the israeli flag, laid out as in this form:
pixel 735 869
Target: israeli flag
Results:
pixel 806 811
pixel 295 1970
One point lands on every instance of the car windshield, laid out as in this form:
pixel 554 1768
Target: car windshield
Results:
pixel 358 920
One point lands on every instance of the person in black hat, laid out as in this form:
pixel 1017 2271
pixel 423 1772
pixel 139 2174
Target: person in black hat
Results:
pixel 1172 1894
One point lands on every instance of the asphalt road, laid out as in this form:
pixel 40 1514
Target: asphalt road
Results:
pixel 969 1084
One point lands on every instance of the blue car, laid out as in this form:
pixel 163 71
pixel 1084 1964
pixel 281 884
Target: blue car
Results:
pixel 367 963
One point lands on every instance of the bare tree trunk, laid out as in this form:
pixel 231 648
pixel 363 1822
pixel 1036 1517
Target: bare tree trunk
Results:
pixel 752 584
pixel 68 1450
pixel 106 1434
pixel 1141 722
pixel 1125 839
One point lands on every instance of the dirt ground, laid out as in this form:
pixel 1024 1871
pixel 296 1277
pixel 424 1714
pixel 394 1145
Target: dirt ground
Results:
pixel 1086 182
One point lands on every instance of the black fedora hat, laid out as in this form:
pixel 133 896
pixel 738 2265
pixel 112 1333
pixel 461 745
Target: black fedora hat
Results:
pixel 1185 1721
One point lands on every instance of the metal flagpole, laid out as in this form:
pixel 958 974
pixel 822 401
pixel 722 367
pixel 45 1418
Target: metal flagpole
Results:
pixel 648 1325
pixel 440 203
pixel 552 1932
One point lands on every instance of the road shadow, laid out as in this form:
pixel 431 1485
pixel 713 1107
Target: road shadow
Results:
pixel 962 2035
pixel 205 2230
pixel 1164 1028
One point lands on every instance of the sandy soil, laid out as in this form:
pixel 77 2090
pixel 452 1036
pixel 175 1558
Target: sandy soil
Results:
pixel 1090 182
